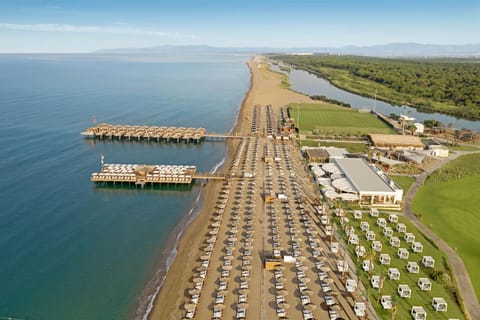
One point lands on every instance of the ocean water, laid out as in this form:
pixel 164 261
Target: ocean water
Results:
pixel 68 249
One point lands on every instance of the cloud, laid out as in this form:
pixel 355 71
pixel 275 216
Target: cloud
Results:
pixel 117 29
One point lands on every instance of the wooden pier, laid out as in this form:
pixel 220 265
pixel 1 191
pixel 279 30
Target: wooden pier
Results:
pixel 154 174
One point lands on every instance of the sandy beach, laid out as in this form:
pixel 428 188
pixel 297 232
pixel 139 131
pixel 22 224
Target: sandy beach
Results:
pixel 227 270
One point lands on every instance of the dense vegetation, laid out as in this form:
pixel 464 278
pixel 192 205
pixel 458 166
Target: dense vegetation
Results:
pixel 449 86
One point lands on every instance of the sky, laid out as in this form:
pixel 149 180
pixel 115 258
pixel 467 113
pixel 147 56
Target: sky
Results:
pixel 89 25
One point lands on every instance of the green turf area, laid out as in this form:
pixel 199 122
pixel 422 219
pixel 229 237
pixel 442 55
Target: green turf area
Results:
pixel 463 147
pixel 405 182
pixel 351 147
pixel 418 297
pixel 448 204
pixel 328 119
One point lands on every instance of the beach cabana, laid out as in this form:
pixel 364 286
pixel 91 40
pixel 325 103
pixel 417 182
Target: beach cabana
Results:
pixel 334 247
pixel 353 239
pixel 360 251
pixel 370 235
pixel 393 274
pixel 393 218
pixel 439 304
pixel 387 232
pixel 374 212
pixel 360 309
pixel 384 259
pixel 412 267
pixel 328 230
pixel 381 222
pixel 377 246
pixel 364 226
pixel 357 214
pixel 409 237
pixel 367 266
pixel 401 227
pixel 417 247
pixel 375 281
pixel 404 291
pixel 424 284
pixel 351 285
pixel 428 262
pixel 394 242
pixel 324 219
pixel 418 313
pixel 402 253
pixel 386 302
pixel 342 266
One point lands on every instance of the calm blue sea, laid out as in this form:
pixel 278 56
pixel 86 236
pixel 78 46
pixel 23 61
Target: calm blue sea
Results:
pixel 68 249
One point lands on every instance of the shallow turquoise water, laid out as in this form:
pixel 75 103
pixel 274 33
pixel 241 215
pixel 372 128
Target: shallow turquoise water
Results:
pixel 70 250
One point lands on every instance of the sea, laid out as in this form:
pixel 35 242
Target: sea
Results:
pixel 73 250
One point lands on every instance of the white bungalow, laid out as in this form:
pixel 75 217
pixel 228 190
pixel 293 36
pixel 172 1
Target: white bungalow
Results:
pixel 393 218
pixel 377 246
pixel 385 259
pixel 417 247
pixel 351 285
pixel 344 220
pixel 334 247
pixel 386 302
pixel 374 212
pixel 401 227
pixel 353 239
pixel 349 230
pixel 409 237
pixel 360 251
pixel 428 262
pixel 404 291
pixel 381 222
pixel 375 281
pixel 394 242
pixel 367 265
pixel 418 313
pixel 393 274
pixel 439 304
pixel 412 267
pixel 424 284
pixel 328 230
pixel 364 226
pixel 402 253
pixel 342 266
pixel 324 219
pixel 357 214
pixel 339 212
pixel 360 309
pixel 370 235
pixel 387 232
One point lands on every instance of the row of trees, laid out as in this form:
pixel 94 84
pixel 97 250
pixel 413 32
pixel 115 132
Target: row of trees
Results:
pixel 455 82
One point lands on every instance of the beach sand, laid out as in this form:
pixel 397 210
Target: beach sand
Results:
pixel 265 88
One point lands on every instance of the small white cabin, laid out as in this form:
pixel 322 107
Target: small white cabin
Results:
pixel 328 230
pixel 381 222
pixel 417 247
pixel 385 259
pixel 357 214
pixel 370 235
pixel 387 232
pixel 360 309
pixel 409 237
pixel 334 247
pixel 418 313
pixel 374 212
pixel 428 262
pixel 351 285
pixel 386 302
pixel 353 239
pixel 364 226
pixel 367 266
pixel 324 219
pixel 424 284
pixel 377 246
pixel 404 291
pixel 393 274
pixel 360 251
pixel 402 253
pixel 401 227
pixel 439 304
pixel 375 281
pixel 394 242
pixel 342 266
pixel 393 218
pixel 412 267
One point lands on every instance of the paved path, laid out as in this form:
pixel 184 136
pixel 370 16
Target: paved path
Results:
pixel 464 284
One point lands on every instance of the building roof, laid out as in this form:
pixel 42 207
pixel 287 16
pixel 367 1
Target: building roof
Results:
pixel 362 176
pixel 316 153
pixel 334 152
pixel 395 140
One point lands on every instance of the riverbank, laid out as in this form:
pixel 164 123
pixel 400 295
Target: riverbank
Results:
pixel 264 89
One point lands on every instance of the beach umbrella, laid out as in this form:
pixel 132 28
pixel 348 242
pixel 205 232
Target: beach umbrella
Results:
pixel 230 248
pixel 280 268
pixel 219 306
pixel 227 267
pixel 336 307
pixel 244 279
pixel 282 292
pixel 244 291
pixel 232 239
pixel 211 240
pixel 302 268
pixel 205 257
pixel 248 257
pixel 247 267
pixel 323 259
pixel 328 280
pixel 301 258
pixel 197 280
pixel 224 279
pixel 213 232
pixel 193 292
pixel 284 305
pixel 228 258
pixel 304 280
pixel 325 269
pixel 310 307
pixel 242 305
pixel 201 268
pixel 190 306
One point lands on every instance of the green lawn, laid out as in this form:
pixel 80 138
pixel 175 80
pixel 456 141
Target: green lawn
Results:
pixel 329 119
pixel 405 182
pixel 351 147
pixel 418 298
pixel 449 205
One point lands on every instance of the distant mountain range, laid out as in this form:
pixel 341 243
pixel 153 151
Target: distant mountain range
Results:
pixel 386 50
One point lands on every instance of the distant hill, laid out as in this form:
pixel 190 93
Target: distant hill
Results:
pixel 386 50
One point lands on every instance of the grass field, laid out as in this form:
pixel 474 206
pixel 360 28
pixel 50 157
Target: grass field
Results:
pixel 351 147
pixel 405 182
pixel 328 119
pixel 449 205
pixel 418 298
